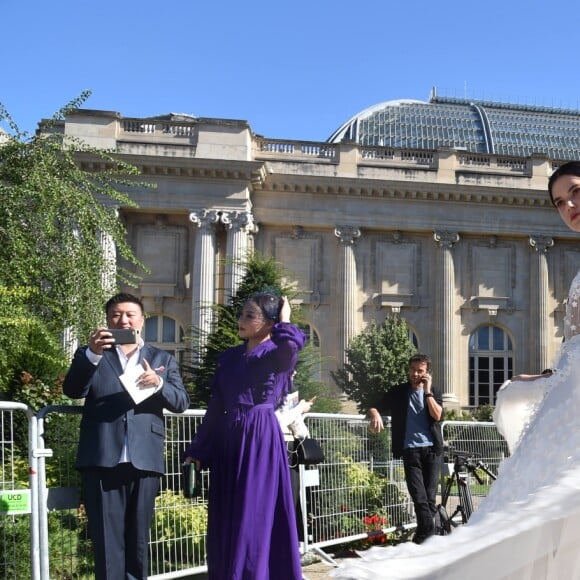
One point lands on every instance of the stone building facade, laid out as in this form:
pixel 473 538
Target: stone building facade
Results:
pixel 464 245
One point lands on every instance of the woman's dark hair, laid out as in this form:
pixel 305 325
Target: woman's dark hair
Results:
pixel 570 168
pixel 268 302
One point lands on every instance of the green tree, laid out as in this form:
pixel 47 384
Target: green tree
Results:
pixel 260 273
pixel 199 371
pixel 54 212
pixel 326 399
pixel 58 198
pixel 31 359
pixel 377 359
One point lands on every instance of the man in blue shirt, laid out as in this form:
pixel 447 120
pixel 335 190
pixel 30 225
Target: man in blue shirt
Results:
pixel 416 409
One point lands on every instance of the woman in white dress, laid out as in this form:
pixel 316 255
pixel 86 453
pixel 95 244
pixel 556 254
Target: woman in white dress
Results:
pixel 528 528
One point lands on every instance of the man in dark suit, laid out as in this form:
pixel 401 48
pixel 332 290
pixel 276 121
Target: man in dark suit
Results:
pixel 122 434
pixel 416 409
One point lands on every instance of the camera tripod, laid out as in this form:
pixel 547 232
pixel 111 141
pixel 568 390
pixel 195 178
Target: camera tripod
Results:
pixel 464 465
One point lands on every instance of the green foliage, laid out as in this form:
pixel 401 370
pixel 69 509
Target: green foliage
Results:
pixel 66 535
pixel 360 500
pixel 355 494
pixel 71 555
pixel 14 473
pixel 179 529
pixel 260 273
pixel 17 326
pixel 15 546
pixel 34 373
pixel 377 359
pixel 380 444
pixel 457 415
pixel 54 212
pixel 198 373
pixel 32 361
pixel 308 387
pixel 58 198
pixel 484 413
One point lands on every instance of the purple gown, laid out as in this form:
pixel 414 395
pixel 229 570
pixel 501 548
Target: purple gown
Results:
pixel 252 531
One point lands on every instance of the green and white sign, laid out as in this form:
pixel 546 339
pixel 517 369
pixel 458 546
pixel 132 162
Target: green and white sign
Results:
pixel 16 501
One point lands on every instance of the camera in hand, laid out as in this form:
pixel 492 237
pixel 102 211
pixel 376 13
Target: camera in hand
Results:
pixel 124 335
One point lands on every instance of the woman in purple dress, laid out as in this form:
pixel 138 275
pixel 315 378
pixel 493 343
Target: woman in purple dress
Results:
pixel 252 528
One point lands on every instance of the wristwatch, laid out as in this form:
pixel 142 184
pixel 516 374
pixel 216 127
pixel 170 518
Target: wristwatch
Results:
pixel 429 395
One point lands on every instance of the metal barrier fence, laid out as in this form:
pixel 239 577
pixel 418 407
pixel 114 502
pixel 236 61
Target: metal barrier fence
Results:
pixel 481 440
pixel 358 493
pixel 177 537
pixel 359 490
pixel 19 543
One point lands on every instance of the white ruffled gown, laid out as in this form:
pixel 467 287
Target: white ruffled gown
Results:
pixel 528 528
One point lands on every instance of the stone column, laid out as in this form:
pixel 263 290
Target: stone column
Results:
pixel 109 273
pixel 70 341
pixel 347 236
pixel 240 227
pixel 540 355
pixel 203 278
pixel 445 312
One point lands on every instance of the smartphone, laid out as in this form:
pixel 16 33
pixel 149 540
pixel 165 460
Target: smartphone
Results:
pixel 124 335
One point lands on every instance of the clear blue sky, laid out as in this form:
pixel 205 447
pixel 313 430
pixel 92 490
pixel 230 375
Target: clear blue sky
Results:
pixel 293 70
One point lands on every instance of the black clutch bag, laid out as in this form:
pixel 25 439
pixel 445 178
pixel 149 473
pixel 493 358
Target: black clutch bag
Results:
pixel 309 451
pixel 190 480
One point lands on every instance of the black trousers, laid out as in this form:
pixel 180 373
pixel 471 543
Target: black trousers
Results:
pixel 295 483
pixel 422 472
pixel 120 502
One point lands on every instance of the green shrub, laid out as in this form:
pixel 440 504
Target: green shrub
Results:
pixel 15 547
pixel 71 555
pixel 178 532
pixel 360 499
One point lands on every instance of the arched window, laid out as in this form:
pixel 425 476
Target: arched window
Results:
pixel 413 337
pixel 490 363
pixel 165 333
pixel 314 339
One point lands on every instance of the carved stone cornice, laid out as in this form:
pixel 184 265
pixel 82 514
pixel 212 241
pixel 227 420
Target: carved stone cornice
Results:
pixel 517 197
pixel 250 172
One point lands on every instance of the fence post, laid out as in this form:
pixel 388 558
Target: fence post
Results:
pixel 41 453
pixel 32 480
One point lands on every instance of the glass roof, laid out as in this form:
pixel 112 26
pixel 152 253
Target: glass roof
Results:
pixel 475 126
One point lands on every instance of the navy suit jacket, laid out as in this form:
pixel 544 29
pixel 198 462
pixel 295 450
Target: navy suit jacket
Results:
pixel 109 411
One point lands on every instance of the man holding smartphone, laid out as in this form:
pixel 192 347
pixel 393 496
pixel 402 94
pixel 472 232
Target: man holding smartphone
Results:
pixel 126 387
pixel 416 409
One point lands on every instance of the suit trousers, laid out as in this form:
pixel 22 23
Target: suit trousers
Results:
pixel 119 502
pixel 422 472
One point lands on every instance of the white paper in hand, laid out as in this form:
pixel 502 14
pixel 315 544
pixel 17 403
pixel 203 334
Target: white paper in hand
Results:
pixel 129 380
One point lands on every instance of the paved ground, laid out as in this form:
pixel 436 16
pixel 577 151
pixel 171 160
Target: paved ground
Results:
pixel 317 571
pixel 320 568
